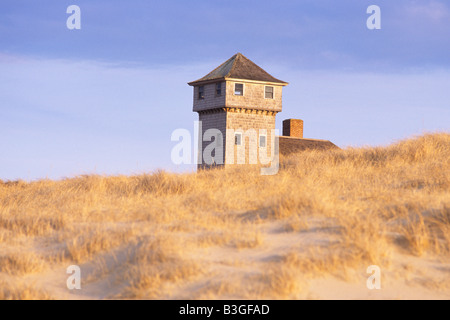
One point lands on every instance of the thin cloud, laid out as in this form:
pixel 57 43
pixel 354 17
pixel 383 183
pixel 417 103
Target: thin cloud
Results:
pixel 433 11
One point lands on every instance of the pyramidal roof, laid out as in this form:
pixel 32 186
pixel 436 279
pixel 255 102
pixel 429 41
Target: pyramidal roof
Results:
pixel 238 67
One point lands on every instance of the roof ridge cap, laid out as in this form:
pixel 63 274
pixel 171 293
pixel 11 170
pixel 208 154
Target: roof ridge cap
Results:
pixel 235 56
pixel 225 62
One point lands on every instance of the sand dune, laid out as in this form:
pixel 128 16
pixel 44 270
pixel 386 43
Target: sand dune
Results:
pixel 309 232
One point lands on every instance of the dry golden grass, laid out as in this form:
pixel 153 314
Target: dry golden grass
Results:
pixel 231 233
pixel 21 263
pixel 21 291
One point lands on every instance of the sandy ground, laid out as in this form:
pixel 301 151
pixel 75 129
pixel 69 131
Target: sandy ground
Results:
pixel 406 276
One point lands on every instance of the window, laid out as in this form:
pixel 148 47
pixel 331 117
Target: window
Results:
pixel 268 94
pixel 238 89
pixel 238 139
pixel 262 141
pixel 219 89
pixel 201 92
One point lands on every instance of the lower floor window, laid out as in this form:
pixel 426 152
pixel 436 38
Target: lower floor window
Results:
pixel 238 139
pixel 262 141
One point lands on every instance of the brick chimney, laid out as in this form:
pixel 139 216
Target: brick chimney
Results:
pixel 293 128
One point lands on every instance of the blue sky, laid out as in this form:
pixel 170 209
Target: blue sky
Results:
pixel 105 99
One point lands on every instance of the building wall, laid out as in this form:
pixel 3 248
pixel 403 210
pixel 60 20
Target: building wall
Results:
pixel 250 114
pixel 253 97
pixel 248 152
pixel 211 100
pixel 213 120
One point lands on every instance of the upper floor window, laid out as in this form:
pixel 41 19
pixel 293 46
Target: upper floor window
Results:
pixel 201 92
pixel 218 88
pixel 268 92
pixel 238 89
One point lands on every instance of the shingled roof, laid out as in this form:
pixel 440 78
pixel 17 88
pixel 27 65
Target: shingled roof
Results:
pixel 238 67
pixel 290 145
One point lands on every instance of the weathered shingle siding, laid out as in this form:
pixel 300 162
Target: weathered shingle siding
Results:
pixel 253 97
pixel 244 122
pixel 211 100
pixel 216 120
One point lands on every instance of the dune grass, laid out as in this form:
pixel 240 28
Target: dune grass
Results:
pixel 212 234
